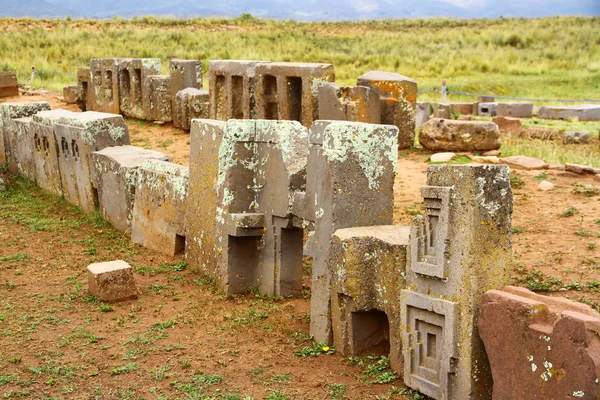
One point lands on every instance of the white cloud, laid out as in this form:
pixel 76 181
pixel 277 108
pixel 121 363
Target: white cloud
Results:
pixel 365 6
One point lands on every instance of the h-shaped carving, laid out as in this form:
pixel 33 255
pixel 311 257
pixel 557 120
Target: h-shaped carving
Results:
pixel 429 234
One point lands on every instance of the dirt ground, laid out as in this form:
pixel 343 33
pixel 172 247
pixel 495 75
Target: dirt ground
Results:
pixel 183 339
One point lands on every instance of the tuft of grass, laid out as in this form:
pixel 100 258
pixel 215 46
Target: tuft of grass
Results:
pixel 123 369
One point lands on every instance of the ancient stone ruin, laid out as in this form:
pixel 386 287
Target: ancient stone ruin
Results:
pixel 290 155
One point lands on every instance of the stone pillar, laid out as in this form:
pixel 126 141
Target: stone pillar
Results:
pixel 85 102
pixel 460 248
pixel 398 95
pixel 104 74
pixel 184 74
pixel 158 102
pixel 201 207
pixel 350 178
pixel 190 104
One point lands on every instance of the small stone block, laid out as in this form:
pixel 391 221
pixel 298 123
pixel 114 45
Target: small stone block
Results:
pixel 246 224
pixel 112 281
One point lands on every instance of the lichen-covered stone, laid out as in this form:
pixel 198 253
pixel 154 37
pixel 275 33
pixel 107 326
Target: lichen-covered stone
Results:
pixel 460 248
pixel 71 94
pixel 349 182
pixel 516 110
pixel 77 136
pixel 85 100
pixel 9 112
pixel 457 135
pixel 583 112
pixel 398 96
pixel 133 72
pixel 540 347
pixel 184 74
pixel 104 80
pixel 114 175
pixel 367 267
pixel 190 104
pixel 159 102
pixel 158 218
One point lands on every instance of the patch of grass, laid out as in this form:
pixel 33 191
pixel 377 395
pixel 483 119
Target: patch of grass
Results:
pixel 537 282
pixel 315 350
pixel 336 390
pixel 161 326
pixel 515 179
pixel 379 371
pixel 123 369
pixel 14 257
pixel 106 308
pixel 587 191
pixel 570 211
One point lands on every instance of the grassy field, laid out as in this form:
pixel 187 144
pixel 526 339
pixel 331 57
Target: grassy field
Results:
pixel 543 58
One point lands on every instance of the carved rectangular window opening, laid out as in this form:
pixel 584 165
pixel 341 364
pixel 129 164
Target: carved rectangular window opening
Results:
pixel 429 235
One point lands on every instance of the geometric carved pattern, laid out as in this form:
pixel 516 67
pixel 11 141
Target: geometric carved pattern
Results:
pixel 429 234
pixel 429 342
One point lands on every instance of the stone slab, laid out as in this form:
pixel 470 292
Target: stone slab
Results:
pixel 443 135
pixel 112 281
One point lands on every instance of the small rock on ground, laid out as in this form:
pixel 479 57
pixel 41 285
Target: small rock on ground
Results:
pixel 525 162
pixel 2 185
pixel 545 185
pixel 442 157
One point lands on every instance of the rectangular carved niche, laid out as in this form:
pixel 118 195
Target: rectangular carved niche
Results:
pixel 429 235
pixel 429 343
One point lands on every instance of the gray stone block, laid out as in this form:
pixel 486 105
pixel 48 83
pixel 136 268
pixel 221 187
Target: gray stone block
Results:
pixel 132 74
pixel 289 91
pixel 114 175
pixel 158 218
pixel 516 110
pixel 190 104
pixel 111 281
pixel 184 74
pixel 158 90
pixel 572 137
pixel 585 112
pixel 77 137
pixel 104 80
pixel 232 89
pixel 487 109
pixel 86 98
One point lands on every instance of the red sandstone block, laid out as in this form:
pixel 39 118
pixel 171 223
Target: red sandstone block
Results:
pixel 540 347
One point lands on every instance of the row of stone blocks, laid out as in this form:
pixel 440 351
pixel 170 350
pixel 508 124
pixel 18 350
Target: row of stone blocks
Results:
pixel 134 88
pixel 240 89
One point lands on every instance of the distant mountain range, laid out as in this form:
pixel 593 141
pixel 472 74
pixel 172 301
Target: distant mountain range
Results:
pixel 310 10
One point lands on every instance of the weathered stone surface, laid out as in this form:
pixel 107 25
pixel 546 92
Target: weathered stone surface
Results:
pixel 460 248
pixel 398 96
pixel 516 110
pixel 442 157
pixel 8 84
pixel 597 177
pixel 23 148
pixel 184 74
pixel 191 103
pixel 159 207
pixel 289 91
pixel 133 72
pixel 158 90
pixel 367 266
pixel 201 231
pixel 456 135
pixel 442 110
pixel 232 89
pixel 586 112
pixel 463 108
pixel 46 151
pixel 572 137
pixel 491 153
pixel 549 347
pixel 111 281
pixel 545 186
pixel 114 175
pixel 77 136
pixel 9 112
pixel 525 162
pixel 423 113
pixel 487 109
pixel 582 169
pixel 510 126
pixel 71 94
pixel 3 185
pixel 349 103
pixel 86 98
pixel 104 75
pixel 349 182
pixel 262 164
pixel 541 134
pixel 486 159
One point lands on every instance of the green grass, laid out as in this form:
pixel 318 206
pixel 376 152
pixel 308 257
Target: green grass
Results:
pixel 548 57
